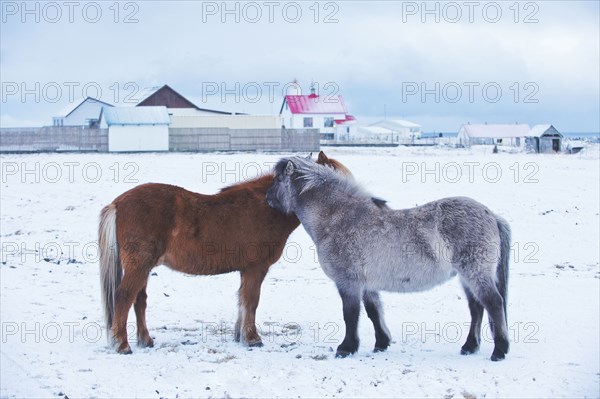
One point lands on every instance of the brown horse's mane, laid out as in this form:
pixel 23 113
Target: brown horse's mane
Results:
pixel 267 178
pixel 339 167
pixel 257 182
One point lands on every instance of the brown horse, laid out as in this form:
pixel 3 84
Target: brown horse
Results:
pixel 154 224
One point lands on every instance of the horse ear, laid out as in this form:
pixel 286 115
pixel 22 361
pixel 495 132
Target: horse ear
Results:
pixel 309 157
pixel 289 168
pixel 322 158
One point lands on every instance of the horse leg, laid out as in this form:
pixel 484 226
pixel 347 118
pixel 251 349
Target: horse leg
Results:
pixel 351 307
pixel 126 293
pixel 374 310
pixel 474 337
pixel 143 335
pixel 249 295
pixel 238 325
pixel 492 301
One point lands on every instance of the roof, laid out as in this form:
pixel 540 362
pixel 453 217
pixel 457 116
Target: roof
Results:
pixel 348 119
pixel 539 130
pixel 314 104
pixel 69 108
pixel 496 131
pixel 165 95
pixel 374 130
pixel 135 115
pixel 144 93
pixel 396 124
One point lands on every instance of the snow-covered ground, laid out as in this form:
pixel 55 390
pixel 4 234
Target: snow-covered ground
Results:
pixel 53 344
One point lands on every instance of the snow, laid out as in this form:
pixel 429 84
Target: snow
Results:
pixel 53 343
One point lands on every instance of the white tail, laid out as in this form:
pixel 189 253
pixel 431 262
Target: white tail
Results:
pixel 110 263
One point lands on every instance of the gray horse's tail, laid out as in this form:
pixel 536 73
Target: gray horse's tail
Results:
pixel 110 263
pixel 502 271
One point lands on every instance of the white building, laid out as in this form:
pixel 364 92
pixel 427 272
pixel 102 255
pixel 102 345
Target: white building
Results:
pixel 85 112
pixel 136 128
pixel 512 135
pixel 326 113
pixel 345 128
pixel 389 131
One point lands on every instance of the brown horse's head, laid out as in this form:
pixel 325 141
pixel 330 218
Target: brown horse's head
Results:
pixel 323 159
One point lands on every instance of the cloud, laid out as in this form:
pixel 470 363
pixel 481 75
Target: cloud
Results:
pixel 371 54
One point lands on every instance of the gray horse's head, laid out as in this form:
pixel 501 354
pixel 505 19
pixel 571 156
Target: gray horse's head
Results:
pixel 293 176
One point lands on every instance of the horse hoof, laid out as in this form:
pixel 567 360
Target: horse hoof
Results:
pixel 378 349
pixel 257 344
pixel 125 350
pixel 146 343
pixel 342 354
pixel 496 357
pixel 470 347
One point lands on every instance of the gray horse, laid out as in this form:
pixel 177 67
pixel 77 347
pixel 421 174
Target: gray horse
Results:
pixel 365 247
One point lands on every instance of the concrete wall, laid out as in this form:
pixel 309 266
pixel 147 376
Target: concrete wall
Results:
pixel 72 138
pixel 53 138
pixel 126 138
pixel 223 139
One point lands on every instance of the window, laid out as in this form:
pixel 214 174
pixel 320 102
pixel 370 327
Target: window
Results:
pixel 328 122
pixel 308 122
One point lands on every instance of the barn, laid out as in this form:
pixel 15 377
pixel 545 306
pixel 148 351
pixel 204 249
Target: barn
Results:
pixel 84 112
pixel 544 139
pixel 136 128
pixel 508 135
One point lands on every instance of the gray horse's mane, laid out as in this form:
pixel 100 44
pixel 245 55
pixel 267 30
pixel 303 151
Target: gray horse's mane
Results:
pixel 310 175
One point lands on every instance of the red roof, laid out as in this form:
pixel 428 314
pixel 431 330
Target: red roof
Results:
pixel 314 104
pixel 348 119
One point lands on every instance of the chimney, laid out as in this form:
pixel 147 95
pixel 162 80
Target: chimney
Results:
pixel 312 89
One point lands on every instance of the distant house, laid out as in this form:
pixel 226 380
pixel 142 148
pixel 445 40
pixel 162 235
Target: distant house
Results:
pixel 544 139
pixel 175 103
pixel 136 128
pixel 512 135
pixel 374 135
pixel 326 113
pixel 85 112
pixel 400 129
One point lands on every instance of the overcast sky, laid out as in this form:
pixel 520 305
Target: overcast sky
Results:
pixel 448 64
